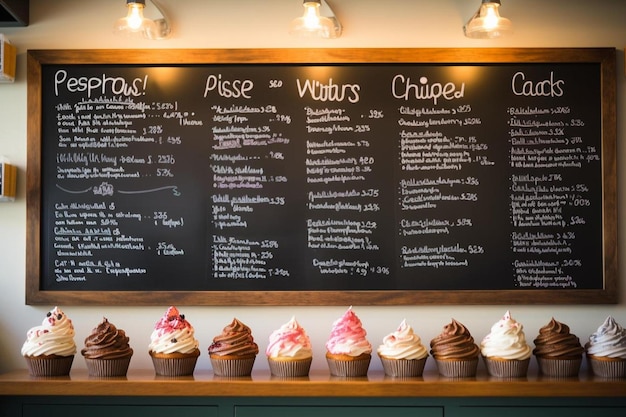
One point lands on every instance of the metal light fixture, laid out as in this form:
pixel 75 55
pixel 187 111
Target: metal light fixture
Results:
pixel 487 22
pixel 135 24
pixel 313 24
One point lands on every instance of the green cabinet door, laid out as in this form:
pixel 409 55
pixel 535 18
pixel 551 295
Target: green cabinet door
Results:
pixel 337 411
pixel 103 410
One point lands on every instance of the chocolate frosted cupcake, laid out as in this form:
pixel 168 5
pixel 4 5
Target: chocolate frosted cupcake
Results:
pixel 558 352
pixel 455 352
pixel 106 351
pixel 233 352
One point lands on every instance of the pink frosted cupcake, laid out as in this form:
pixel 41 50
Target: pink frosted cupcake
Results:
pixel 505 350
pixel 348 352
pixel 173 346
pixel 289 352
pixel 49 349
pixel 606 350
pixel 402 353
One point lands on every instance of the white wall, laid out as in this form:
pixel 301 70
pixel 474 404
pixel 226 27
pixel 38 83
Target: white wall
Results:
pixel 79 24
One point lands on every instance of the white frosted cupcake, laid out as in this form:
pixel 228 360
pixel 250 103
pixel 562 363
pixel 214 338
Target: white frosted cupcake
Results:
pixel 505 350
pixel 49 349
pixel 402 353
pixel 606 350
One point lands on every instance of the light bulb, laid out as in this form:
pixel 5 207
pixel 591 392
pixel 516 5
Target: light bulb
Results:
pixel 487 22
pixel 491 18
pixel 135 17
pixel 134 23
pixel 312 24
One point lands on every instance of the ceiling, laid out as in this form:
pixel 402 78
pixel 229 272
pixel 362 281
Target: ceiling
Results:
pixel 14 13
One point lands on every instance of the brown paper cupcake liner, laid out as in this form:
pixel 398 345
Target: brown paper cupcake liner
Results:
pixel 507 368
pixel 174 366
pixel 559 368
pixel 403 368
pixel 49 366
pixel 107 367
pixel 347 368
pixel 457 368
pixel 232 367
pixel 608 367
pixel 290 368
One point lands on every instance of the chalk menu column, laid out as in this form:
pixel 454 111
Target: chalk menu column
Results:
pixel 446 163
pixel 346 171
pixel 555 162
pixel 119 212
pixel 250 151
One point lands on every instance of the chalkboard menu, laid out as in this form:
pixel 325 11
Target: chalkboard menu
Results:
pixel 322 176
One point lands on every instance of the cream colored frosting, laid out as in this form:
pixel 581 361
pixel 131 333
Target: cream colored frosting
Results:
pixel 609 340
pixel 55 336
pixel 506 340
pixel 403 344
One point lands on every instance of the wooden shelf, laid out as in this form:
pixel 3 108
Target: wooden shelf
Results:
pixel 318 384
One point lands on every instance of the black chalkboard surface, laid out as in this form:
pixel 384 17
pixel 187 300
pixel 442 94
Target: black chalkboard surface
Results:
pixel 322 176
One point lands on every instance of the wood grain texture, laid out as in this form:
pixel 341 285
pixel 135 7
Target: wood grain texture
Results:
pixel 318 384
pixel 605 56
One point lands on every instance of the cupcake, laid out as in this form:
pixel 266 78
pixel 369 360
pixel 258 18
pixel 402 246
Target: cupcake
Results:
pixel 558 352
pixel 505 350
pixel 289 352
pixel 49 349
pixel 606 350
pixel 455 352
pixel 173 347
pixel 402 353
pixel 348 352
pixel 106 351
pixel 233 351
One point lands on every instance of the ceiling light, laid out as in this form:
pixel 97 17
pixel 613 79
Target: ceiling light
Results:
pixel 487 22
pixel 313 24
pixel 135 24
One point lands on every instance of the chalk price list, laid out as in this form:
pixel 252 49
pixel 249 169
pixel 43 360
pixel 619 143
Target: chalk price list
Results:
pixel 550 201
pixel 249 156
pixel 107 147
pixel 442 158
pixel 345 203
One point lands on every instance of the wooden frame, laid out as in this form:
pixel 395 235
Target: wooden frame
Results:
pixel 39 58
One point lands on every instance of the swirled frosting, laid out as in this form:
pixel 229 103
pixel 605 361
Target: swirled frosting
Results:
pixel 609 340
pixel 347 336
pixel 291 341
pixel 173 334
pixel 556 341
pixel 506 340
pixel 235 339
pixel 454 342
pixel 106 342
pixel 402 344
pixel 55 336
